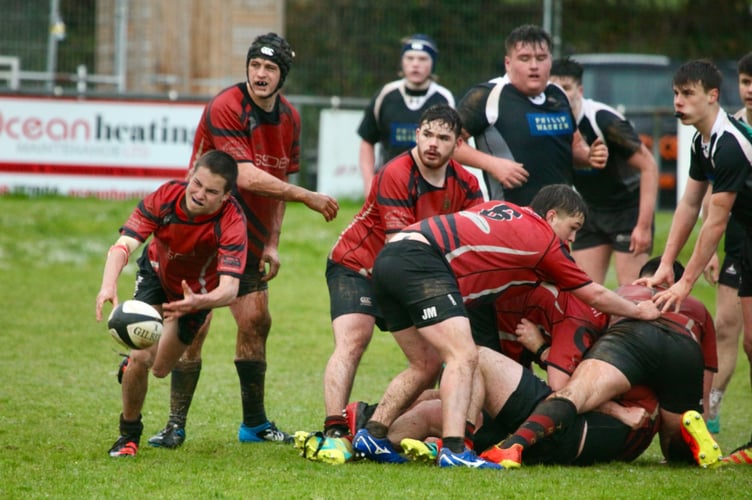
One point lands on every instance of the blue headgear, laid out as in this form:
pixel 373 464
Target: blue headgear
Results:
pixel 423 43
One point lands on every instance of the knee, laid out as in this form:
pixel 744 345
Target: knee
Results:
pixel 747 345
pixel 256 323
pixel 160 372
pixel 353 345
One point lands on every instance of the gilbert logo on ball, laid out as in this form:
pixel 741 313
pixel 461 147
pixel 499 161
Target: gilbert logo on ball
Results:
pixel 135 324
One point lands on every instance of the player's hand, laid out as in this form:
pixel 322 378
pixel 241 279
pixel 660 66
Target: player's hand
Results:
pixel 509 173
pixel 672 297
pixel 178 308
pixel 323 204
pixel 634 416
pixel 664 275
pixel 529 335
pixel 106 295
pixel 598 155
pixel 647 310
pixel 269 263
pixel 640 240
pixel 712 270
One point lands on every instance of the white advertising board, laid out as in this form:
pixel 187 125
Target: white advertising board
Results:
pixel 102 148
pixel 684 134
pixel 338 171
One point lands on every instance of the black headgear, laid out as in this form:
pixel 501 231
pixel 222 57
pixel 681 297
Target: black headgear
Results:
pixel 273 48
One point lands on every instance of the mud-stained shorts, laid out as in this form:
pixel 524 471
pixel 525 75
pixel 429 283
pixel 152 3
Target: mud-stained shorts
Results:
pixel 650 354
pixel 250 280
pixel 350 292
pixel 414 285
pixel 149 289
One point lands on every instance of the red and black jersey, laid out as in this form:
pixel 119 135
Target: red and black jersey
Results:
pixel 400 196
pixel 499 247
pixel 693 320
pixel 232 123
pixel 639 439
pixel 195 250
pixel 569 325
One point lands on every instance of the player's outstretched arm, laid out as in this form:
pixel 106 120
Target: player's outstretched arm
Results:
pixel 117 258
pixel 262 183
pixel 606 301
pixel 225 293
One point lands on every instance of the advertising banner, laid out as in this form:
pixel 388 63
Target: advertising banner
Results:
pixel 103 148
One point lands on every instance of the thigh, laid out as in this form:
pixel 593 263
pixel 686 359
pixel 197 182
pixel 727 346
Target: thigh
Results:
pixel 593 383
pixel 593 260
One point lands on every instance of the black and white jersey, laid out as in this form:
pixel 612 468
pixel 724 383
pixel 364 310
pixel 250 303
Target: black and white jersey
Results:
pixel 617 186
pixel 392 116
pixel 536 132
pixel 726 161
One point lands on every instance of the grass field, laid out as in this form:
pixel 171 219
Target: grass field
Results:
pixel 59 399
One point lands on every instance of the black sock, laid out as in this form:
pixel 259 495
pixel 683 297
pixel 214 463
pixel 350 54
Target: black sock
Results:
pixel 548 417
pixel 252 375
pixel 131 428
pixel 182 387
pixel 454 443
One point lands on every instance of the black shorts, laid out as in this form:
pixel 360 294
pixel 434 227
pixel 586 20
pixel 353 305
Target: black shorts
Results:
pixel 149 289
pixel 745 278
pixel 250 280
pixel 560 447
pixel 483 326
pixel 350 292
pixel 608 228
pixel 518 407
pixel 733 245
pixel 606 437
pixel 414 286
pixel 654 355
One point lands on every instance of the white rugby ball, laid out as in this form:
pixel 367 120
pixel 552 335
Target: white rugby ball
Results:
pixel 135 324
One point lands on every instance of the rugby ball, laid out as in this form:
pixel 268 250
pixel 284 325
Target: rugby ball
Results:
pixel 135 324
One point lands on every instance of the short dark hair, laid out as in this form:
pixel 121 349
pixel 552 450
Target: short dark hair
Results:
pixel 528 34
pixel 222 164
pixel 445 114
pixel 651 267
pixel 567 67
pixel 559 197
pixel 745 65
pixel 701 71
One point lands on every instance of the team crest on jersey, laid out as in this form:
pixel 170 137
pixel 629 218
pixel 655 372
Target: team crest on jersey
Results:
pixel 501 211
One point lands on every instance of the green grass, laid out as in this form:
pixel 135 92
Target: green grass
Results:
pixel 59 401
